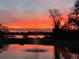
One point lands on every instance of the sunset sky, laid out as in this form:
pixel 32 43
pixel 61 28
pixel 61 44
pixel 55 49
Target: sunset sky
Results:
pixel 31 13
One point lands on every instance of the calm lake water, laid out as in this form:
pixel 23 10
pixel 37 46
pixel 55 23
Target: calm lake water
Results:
pixel 16 51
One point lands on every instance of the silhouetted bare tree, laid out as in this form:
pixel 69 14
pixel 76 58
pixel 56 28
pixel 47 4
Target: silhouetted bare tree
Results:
pixel 56 17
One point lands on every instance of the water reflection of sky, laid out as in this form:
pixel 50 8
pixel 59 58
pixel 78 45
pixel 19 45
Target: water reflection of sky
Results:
pixel 18 52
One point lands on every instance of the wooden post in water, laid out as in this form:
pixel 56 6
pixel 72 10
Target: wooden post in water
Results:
pixel 56 53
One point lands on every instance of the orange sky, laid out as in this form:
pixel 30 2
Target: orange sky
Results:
pixel 31 13
pixel 41 21
pixel 31 24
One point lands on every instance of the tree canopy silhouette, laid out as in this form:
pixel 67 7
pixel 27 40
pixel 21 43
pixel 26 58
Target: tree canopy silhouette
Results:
pixel 76 6
pixel 73 17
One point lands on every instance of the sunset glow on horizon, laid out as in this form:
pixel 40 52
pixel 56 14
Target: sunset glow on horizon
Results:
pixel 31 13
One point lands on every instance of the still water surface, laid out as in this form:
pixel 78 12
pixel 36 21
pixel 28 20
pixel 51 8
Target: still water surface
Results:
pixel 16 51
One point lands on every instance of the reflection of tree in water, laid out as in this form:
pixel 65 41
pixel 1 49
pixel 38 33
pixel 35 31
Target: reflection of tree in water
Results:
pixel 67 53
pixel 3 46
